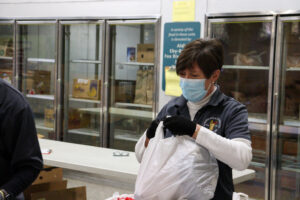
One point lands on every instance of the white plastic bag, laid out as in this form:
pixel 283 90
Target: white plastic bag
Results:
pixel 176 168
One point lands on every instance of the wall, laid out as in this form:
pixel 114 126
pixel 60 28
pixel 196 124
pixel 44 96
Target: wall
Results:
pixel 71 8
pixel 219 6
pixel 167 5
pixel 138 8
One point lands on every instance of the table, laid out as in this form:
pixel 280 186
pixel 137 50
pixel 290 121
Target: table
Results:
pixel 97 160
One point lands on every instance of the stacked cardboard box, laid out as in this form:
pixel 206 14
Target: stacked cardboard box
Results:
pixel 145 53
pixel 50 185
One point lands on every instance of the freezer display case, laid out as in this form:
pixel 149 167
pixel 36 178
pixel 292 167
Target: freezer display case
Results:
pixel 248 59
pixel 7 51
pixel 82 74
pixel 131 76
pixel 36 71
pixel 286 135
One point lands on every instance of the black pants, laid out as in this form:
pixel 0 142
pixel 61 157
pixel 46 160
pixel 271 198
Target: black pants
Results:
pixel 20 197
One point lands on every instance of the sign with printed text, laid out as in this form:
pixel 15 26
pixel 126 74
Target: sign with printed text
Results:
pixel 176 36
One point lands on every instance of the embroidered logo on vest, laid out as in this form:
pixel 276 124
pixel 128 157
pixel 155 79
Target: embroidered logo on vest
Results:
pixel 212 123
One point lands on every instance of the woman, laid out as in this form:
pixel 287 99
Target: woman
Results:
pixel 217 122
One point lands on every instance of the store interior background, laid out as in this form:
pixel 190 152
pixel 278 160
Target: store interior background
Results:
pixel 259 188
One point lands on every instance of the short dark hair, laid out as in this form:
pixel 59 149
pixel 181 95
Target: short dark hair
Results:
pixel 207 53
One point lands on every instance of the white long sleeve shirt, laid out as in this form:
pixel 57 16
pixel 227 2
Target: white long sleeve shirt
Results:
pixel 238 152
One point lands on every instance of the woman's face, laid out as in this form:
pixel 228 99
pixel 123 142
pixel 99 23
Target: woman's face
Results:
pixel 196 73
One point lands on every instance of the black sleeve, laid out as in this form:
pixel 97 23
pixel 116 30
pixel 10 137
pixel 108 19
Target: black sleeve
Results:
pixel 23 149
pixel 237 125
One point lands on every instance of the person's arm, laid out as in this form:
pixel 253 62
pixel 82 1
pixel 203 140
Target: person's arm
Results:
pixel 235 148
pixel 236 153
pixel 23 150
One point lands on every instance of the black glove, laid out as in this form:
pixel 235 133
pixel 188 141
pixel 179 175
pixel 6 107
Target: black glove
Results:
pixel 152 129
pixel 180 126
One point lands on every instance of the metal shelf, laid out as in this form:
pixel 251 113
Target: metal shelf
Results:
pixel 86 61
pixel 292 68
pixel 6 58
pixel 51 97
pixel 257 126
pixel 39 124
pixel 291 169
pixel 122 135
pixel 257 119
pixel 291 122
pixel 289 129
pixel 84 131
pixel 119 104
pixel 91 110
pixel 257 164
pixel 43 60
pixel 246 67
pixel 40 96
pixel 131 113
pixel 136 63
pixel 85 100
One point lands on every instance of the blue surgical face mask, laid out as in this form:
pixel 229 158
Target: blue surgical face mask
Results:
pixel 193 89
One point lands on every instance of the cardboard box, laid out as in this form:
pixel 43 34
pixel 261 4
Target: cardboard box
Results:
pixel 42 81
pixel 66 194
pixel 290 147
pixel 6 47
pixel 37 82
pixel 78 119
pixel 258 142
pixel 49 117
pixel 49 174
pixel 86 89
pixel 28 83
pixel 6 75
pixel 288 180
pixel 43 187
pixel 3 50
pixel 124 91
pixel 145 53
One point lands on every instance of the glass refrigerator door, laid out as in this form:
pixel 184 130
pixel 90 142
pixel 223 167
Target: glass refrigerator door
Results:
pixel 36 62
pixel 6 51
pixel 83 75
pixel 287 174
pixel 131 82
pixel 245 77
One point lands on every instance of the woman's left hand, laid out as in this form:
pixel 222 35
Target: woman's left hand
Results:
pixel 180 126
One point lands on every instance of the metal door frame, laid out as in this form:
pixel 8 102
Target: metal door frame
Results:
pixel 13 23
pixel 244 17
pixel 278 75
pixel 18 85
pixel 157 22
pixel 61 78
